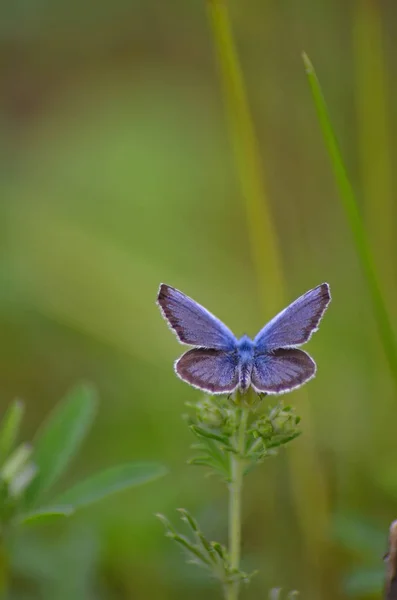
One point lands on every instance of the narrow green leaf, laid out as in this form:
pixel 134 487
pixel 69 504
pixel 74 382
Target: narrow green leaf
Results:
pixel 355 220
pixel 41 514
pixel 192 548
pixel 203 462
pixel 9 428
pixel 189 519
pixel 205 433
pixel 168 526
pixel 60 438
pixel 206 546
pixel 108 482
pixel 220 550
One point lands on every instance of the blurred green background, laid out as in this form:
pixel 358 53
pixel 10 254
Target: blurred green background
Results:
pixel 117 173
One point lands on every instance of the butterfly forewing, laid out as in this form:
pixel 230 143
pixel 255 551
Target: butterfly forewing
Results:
pixel 213 371
pixel 281 370
pixel 192 323
pixel 295 324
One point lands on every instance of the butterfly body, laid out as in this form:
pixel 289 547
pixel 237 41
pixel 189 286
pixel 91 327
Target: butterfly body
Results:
pixel 220 363
pixel 245 352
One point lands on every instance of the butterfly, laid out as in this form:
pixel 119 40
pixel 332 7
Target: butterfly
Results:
pixel 220 363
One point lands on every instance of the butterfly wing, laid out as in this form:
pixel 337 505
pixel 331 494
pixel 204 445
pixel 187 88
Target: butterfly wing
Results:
pixel 296 323
pixel 192 323
pixel 213 371
pixel 281 370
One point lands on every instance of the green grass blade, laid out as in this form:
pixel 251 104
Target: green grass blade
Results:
pixel 9 428
pixel 43 514
pixel 60 438
pixel 109 482
pixel 355 220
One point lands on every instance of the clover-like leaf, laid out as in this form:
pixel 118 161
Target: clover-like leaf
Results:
pixel 43 514
pixel 59 439
pixel 110 481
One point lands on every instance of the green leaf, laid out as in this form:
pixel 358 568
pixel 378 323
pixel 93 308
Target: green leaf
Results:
pixel 108 482
pixel 9 428
pixel 191 548
pixel 43 514
pixel 204 433
pixel 168 526
pixel 189 519
pixel 60 438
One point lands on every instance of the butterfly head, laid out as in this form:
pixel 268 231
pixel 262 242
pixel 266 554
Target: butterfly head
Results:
pixel 245 346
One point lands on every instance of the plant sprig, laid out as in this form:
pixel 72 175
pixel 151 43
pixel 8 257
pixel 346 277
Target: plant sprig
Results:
pixel 216 422
pixel 234 435
pixel 29 471
pixel 209 555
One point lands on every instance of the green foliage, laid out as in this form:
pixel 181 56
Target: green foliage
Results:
pixel 107 482
pixel 216 422
pixel 27 472
pixel 234 435
pixel 211 556
pixel 60 438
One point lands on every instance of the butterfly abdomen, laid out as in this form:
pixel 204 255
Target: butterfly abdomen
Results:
pixel 245 377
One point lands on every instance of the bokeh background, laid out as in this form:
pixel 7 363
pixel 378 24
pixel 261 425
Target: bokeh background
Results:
pixel 117 173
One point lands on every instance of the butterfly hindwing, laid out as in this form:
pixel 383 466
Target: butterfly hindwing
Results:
pixel 192 323
pixel 296 323
pixel 213 371
pixel 281 370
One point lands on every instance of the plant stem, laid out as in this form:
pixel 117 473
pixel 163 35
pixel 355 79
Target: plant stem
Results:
pixel 235 493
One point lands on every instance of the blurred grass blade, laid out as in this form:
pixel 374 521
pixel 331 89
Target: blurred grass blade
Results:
pixel 43 514
pixel 9 428
pixel 355 220
pixel 262 233
pixel 110 481
pixel 60 438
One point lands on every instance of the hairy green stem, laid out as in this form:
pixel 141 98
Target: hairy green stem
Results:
pixel 235 494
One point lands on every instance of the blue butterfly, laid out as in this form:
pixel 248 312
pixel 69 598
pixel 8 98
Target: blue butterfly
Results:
pixel 220 363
